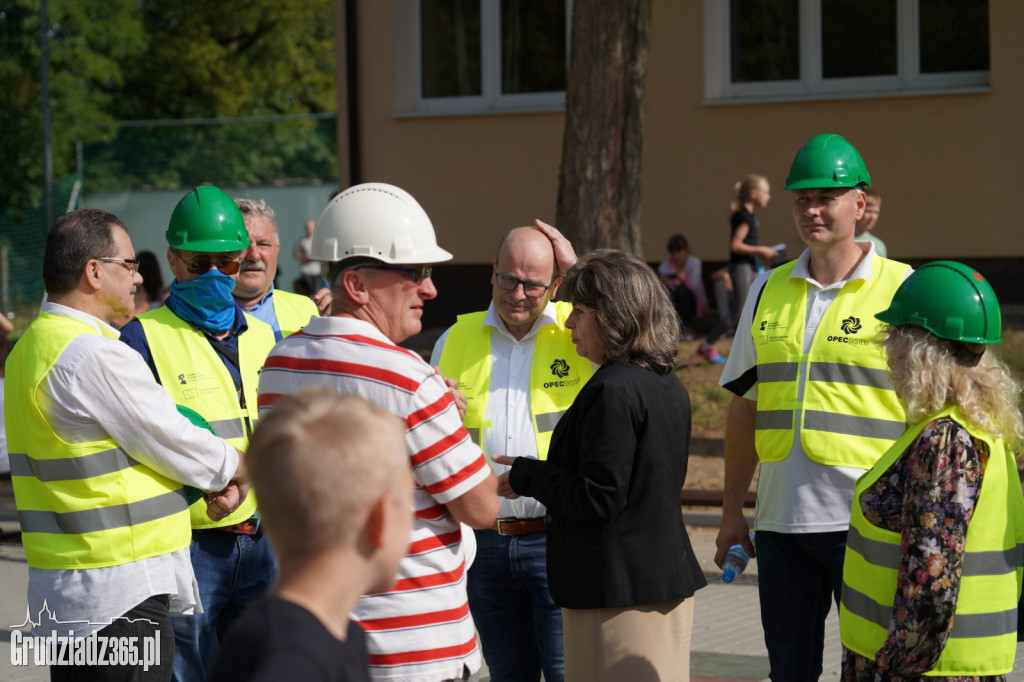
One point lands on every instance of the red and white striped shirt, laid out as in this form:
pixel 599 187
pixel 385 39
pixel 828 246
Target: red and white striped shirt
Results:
pixel 421 628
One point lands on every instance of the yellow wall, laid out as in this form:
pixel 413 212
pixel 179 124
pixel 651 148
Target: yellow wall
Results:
pixel 948 167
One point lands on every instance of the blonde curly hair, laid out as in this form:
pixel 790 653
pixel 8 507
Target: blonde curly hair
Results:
pixel 927 376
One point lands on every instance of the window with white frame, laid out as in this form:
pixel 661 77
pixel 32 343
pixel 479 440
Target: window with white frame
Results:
pixel 482 55
pixel 790 49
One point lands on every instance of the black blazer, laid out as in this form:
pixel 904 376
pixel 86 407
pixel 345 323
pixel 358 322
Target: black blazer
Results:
pixel 611 484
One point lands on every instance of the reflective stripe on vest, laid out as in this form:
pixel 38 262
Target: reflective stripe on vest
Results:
pixel 293 311
pixel 195 376
pixel 556 376
pixel 983 637
pixel 838 395
pixel 80 505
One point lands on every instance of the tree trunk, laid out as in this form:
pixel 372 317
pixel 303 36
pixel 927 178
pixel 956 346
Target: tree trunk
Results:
pixel 599 188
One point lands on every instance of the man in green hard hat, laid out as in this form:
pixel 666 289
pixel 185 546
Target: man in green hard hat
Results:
pixel 207 354
pixel 812 403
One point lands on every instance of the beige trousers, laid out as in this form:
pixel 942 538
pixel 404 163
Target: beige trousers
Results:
pixel 645 643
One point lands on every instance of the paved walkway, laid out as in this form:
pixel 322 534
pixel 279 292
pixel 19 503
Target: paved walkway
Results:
pixel 727 644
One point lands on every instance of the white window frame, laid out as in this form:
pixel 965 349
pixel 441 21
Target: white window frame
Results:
pixel 409 99
pixel 718 88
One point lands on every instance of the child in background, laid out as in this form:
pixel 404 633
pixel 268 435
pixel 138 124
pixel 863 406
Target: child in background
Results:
pixel 682 274
pixel 332 475
pixel 151 293
pixel 862 231
pixel 752 192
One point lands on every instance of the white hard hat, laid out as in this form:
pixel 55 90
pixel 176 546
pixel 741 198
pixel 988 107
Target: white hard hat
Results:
pixel 376 220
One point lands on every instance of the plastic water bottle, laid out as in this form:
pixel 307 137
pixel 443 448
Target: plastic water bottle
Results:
pixel 736 559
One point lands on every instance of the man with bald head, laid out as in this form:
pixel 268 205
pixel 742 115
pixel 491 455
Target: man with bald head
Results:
pixel 519 370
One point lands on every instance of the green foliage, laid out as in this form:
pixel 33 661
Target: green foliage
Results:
pixel 89 43
pixel 120 60
pixel 234 58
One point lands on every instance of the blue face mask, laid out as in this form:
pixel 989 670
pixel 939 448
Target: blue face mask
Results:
pixel 206 302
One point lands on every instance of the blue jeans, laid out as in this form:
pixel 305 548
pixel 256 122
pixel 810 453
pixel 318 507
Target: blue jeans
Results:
pixel 520 627
pixel 231 570
pixel 799 575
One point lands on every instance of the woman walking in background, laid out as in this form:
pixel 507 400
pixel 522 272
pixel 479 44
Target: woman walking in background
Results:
pixel 745 255
pixel 930 580
pixel 612 480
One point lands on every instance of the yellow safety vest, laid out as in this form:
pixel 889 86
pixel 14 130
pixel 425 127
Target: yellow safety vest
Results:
pixel 556 376
pixel 293 311
pixel 983 638
pixel 194 375
pixel 848 412
pixel 81 505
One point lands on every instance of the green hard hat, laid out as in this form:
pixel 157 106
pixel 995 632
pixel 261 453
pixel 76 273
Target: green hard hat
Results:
pixel 827 160
pixel 208 221
pixel 950 300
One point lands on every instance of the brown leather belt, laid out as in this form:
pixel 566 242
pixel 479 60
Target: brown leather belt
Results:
pixel 518 526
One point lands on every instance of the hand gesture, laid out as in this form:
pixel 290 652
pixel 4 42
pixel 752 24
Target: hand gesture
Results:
pixel 323 301
pixel 222 503
pixel 457 396
pixel 504 489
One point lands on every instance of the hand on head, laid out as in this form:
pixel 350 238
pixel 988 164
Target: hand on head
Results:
pixel 565 255
pixel 323 300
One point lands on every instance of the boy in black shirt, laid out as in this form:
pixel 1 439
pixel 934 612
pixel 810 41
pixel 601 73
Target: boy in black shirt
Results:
pixel 332 476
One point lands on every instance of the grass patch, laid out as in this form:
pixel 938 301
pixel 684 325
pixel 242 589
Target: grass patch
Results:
pixel 709 402
pixel 1011 350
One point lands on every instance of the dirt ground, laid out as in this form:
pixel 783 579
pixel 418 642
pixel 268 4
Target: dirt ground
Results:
pixel 709 403
pixel 704 473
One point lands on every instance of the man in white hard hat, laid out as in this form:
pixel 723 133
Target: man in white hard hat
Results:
pixel 379 245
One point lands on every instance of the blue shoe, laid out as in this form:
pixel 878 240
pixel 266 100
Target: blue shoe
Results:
pixel 709 354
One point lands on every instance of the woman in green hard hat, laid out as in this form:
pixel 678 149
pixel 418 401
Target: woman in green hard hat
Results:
pixel 931 578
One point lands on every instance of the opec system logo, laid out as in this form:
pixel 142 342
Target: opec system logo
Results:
pixel 560 369
pixel 850 327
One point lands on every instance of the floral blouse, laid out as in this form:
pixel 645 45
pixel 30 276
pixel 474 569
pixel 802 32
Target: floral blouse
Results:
pixel 928 495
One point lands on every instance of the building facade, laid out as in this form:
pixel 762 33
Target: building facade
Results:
pixel 461 102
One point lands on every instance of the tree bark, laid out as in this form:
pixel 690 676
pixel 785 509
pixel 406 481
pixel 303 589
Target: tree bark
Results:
pixel 599 185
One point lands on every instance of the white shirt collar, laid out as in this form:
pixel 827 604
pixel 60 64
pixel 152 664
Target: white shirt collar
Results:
pixel 802 270
pixel 76 314
pixel 547 316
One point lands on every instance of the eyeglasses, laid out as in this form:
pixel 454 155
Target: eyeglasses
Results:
pixel 418 273
pixel 131 263
pixel 509 283
pixel 201 264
